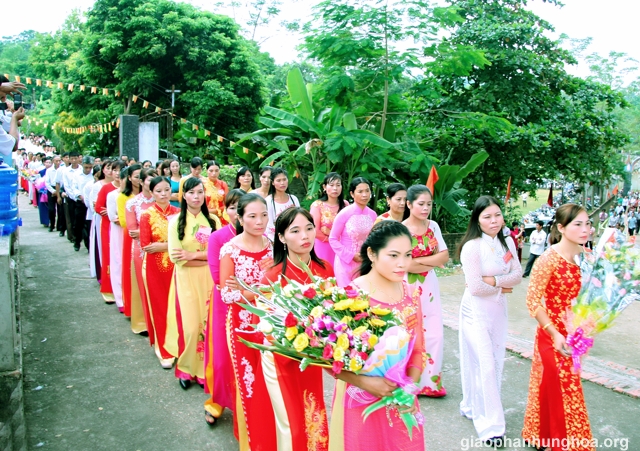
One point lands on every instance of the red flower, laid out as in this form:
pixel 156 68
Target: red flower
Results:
pixel 337 367
pixel 309 293
pixel 290 320
pixel 364 356
pixel 327 352
pixel 360 315
pixel 200 347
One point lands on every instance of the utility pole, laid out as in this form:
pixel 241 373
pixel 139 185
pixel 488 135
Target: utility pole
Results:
pixel 170 118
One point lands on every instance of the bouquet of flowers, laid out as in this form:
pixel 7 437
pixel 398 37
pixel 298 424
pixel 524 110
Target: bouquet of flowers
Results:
pixel 325 325
pixel 610 283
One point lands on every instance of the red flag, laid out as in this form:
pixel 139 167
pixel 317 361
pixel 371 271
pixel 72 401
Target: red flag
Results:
pixel 508 190
pixel 433 178
pixel 550 199
pixel 615 190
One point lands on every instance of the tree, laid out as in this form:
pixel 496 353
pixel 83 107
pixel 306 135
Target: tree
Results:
pixel 535 120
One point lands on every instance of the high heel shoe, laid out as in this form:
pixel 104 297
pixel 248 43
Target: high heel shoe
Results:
pixel 184 383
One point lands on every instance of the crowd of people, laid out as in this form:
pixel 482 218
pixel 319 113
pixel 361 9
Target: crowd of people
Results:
pixel 169 251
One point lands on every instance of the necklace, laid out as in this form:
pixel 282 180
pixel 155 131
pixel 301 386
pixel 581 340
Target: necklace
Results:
pixel 397 286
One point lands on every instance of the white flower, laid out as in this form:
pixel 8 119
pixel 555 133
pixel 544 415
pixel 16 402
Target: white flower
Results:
pixel 265 327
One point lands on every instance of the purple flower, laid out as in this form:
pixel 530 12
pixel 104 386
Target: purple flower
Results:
pixel 332 338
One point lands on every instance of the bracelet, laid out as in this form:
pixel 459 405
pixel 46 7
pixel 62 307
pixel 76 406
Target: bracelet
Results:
pixel 547 325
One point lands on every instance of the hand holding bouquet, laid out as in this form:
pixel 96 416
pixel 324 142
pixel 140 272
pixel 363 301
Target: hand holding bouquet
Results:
pixel 610 283
pixel 322 324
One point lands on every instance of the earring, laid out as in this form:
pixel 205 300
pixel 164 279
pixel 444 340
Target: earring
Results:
pixel 285 246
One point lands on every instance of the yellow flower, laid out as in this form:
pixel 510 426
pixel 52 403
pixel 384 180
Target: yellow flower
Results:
pixel 359 330
pixel 338 354
pixel 343 342
pixel 359 304
pixel 301 342
pixel 317 311
pixel 346 319
pixel 327 293
pixel 291 332
pixel 377 322
pixel 373 340
pixel 343 305
pixel 354 365
pixel 380 311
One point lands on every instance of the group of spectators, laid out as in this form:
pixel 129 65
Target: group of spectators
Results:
pixel 625 215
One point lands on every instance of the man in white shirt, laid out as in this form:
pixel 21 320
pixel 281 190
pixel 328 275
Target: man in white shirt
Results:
pixel 76 192
pixel 537 239
pixel 63 183
pixel 55 210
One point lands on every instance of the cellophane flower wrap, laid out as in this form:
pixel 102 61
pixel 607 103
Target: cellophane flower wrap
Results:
pixel 322 324
pixel 610 283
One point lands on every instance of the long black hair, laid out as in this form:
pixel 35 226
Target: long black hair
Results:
pixel 283 222
pixel 473 230
pixel 242 171
pixel 106 162
pixel 189 184
pixel 274 173
pixel 245 200
pixel 380 235
pixel 128 186
pixel 332 177
pixel 146 173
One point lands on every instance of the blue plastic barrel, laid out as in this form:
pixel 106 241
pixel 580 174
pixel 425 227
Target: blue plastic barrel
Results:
pixel 9 220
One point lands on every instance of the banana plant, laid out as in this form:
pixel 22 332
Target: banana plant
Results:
pixel 448 188
pixel 310 144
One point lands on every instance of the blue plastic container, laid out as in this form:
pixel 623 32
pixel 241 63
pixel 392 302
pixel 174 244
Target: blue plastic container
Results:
pixel 9 220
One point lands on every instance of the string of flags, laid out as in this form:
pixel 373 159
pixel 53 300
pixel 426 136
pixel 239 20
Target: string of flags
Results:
pixel 107 127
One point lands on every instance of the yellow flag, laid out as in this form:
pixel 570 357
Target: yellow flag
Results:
pixel 158 109
pixel 134 98
pixel 105 92
pixel 94 90
pixel 38 82
pixel 82 87
pixel 220 139
pixel 60 85
pixel 207 132
pixel 244 149
pixel 194 127
pixel 231 143
pixel 49 84
pixel 70 87
pixel 145 104
pixel 28 80
pixel 17 77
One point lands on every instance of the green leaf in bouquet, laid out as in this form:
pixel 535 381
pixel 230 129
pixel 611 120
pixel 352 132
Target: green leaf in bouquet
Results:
pixel 255 310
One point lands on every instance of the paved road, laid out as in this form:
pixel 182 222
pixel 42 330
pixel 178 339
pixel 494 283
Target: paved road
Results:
pixel 91 384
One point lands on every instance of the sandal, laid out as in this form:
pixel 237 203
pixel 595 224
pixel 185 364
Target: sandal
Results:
pixel 210 419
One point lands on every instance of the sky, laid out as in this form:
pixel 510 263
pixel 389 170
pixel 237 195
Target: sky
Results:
pixel 611 24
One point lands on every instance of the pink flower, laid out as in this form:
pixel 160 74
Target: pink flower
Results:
pixel 327 352
pixel 627 275
pixel 332 338
pixel 314 342
pixel 337 367
pixel 350 292
pixel 596 282
pixel 327 303
pixel 309 332
pixel 622 292
pixel 309 293
pixel 361 315
pixel 363 355
pixel 202 235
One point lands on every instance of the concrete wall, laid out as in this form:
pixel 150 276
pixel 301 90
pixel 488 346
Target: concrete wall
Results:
pixel 12 424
